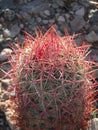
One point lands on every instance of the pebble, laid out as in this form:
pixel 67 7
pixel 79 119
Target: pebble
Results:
pixel 47 12
pixel 21 26
pixel 61 19
pixel 59 2
pixel 94 28
pixel 12 94
pixel 42 15
pixel 35 7
pixel 93 124
pixel 78 41
pixel 38 19
pixel 1 38
pixel 5 83
pixel 62 27
pixel 77 23
pixel 75 6
pixel 6 42
pixel 6 33
pixel 92 12
pixel 32 22
pixel 55 5
pixel 4 96
pixel 1 27
pixel 91 37
pixel 94 17
pixel 21 1
pixel 15 29
pixel 4 54
pixel 25 17
pixel 80 11
pixel 85 3
pixel 45 21
pixel 9 14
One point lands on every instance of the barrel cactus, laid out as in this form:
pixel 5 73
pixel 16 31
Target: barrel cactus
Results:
pixel 52 82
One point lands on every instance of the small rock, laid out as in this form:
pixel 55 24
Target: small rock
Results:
pixel 80 11
pixel 2 20
pixel 57 15
pixel 32 22
pixel 4 54
pixel 77 23
pixel 1 38
pixel 1 27
pixel 21 26
pixel 4 4
pixel 6 33
pixel 15 29
pixel 61 19
pixel 91 37
pixel 75 6
pixel 9 14
pixel 42 15
pixel 1 12
pixel 53 12
pixel 22 1
pixel 51 21
pixel 91 12
pixel 12 94
pixel 47 12
pixel 78 40
pixel 85 3
pixel 45 21
pixel 20 40
pixel 35 7
pixel 93 124
pixel 25 17
pixel 19 2
pixel 55 5
pixel 4 96
pixel 6 83
pixel 87 26
pixel 59 2
pixel 38 19
pixel 67 15
pixel 6 42
pixel 1 123
pixel 93 16
pixel 94 28
pixel 62 27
